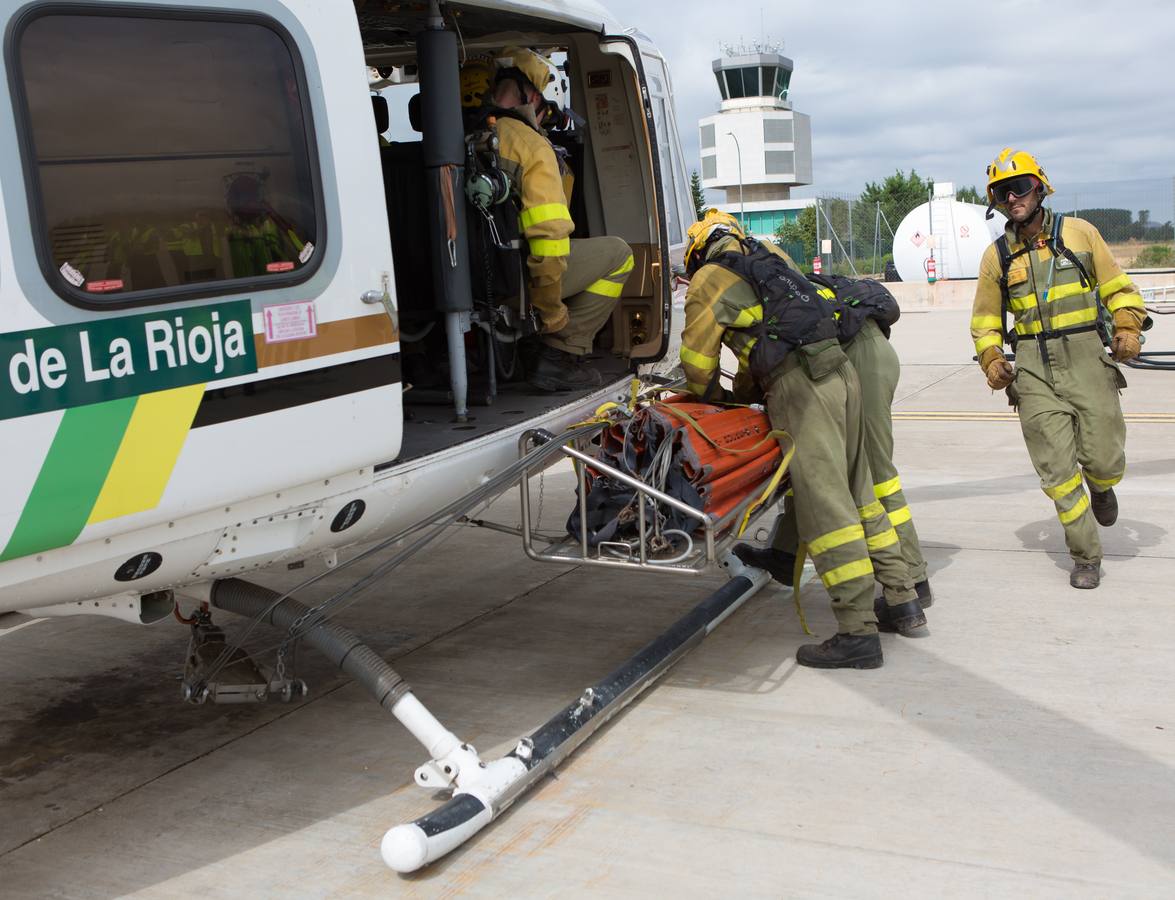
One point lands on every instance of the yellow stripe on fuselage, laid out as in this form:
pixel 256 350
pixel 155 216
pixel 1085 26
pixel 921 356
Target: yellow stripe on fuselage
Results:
pixel 148 452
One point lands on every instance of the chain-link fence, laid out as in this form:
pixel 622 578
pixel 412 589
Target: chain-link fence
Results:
pixel 854 234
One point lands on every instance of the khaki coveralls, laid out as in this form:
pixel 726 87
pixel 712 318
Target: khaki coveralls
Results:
pixel 815 396
pixel 574 284
pixel 1066 388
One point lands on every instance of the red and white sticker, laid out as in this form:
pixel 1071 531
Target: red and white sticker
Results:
pixel 289 322
pixel 283 266
pixel 72 275
pixel 916 239
pixel 103 287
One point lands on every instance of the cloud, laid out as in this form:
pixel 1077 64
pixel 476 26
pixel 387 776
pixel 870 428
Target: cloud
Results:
pixel 1084 85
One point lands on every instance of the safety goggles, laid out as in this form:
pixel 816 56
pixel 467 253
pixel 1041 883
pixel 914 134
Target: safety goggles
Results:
pixel 1014 188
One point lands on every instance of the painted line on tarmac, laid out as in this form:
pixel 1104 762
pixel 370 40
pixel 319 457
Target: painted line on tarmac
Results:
pixel 963 416
pixel 14 628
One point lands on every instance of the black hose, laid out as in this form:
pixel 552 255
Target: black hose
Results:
pixel 338 644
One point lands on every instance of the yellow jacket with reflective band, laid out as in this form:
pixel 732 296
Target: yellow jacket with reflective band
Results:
pixel 528 158
pixel 717 298
pixel 1067 304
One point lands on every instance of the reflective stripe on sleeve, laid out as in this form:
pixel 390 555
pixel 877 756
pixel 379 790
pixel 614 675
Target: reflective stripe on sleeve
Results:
pixel 988 340
pixel 837 538
pixel 887 487
pixel 547 247
pixel 858 568
pixel 981 323
pixel 544 212
pixel 1125 301
pixel 698 360
pixel 1114 285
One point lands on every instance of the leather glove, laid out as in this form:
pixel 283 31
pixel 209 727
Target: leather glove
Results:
pixel 1125 345
pixel 999 374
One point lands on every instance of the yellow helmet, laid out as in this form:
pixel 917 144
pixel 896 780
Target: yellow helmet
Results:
pixel 477 76
pixel 700 233
pixel 536 68
pixel 1014 164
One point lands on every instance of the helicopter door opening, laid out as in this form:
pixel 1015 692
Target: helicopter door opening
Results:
pixel 600 127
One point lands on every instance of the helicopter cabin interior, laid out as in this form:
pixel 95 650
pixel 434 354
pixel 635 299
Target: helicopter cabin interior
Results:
pixel 606 142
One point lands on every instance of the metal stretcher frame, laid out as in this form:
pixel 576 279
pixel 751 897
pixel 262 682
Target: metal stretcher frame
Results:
pixel 571 552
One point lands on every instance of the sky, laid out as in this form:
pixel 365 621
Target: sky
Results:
pixel 1088 88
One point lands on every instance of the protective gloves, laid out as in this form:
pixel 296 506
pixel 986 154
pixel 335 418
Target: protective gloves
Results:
pixel 1125 345
pixel 999 374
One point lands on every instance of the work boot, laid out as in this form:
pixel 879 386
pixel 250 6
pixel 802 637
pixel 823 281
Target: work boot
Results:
pixel 555 370
pixel 1085 576
pixel 907 619
pixel 779 563
pixel 1105 506
pixel 925 597
pixel 843 651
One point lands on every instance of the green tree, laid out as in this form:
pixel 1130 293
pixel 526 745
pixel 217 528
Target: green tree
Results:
pixel 897 194
pixel 699 195
pixel 800 233
pixel 970 195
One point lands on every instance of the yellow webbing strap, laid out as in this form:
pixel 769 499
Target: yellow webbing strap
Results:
pixel 772 485
pixel 797 572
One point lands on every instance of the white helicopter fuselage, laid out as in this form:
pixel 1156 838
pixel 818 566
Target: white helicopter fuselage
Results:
pixel 156 435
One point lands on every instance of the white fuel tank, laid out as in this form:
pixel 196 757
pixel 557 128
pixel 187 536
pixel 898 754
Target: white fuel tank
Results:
pixel 958 233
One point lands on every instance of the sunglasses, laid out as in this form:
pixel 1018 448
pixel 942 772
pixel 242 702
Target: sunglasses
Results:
pixel 1014 188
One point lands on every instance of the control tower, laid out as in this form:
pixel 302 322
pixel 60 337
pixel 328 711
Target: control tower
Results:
pixel 756 148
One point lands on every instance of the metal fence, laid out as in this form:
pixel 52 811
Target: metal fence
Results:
pixel 1136 218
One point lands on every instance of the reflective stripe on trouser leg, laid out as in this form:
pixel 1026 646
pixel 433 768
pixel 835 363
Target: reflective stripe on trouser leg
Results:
pixel 591 262
pixel 814 413
pixel 1101 484
pixel 908 544
pixel 879 370
pixel 1051 425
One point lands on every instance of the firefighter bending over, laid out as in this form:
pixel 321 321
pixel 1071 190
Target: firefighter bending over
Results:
pixel 744 295
pixel 1060 282
pixel 866 311
pixel 573 284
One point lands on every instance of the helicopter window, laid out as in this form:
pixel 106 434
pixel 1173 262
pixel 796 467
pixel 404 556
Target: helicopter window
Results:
pixel 170 156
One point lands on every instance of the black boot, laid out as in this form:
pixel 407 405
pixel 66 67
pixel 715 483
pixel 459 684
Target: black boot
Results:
pixel 843 651
pixel 907 619
pixel 1085 576
pixel 1105 506
pixel 555 370
pixel 925 597
pixel 779 563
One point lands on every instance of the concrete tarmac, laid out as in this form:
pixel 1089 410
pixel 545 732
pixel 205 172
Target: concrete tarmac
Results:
pixel 1025 748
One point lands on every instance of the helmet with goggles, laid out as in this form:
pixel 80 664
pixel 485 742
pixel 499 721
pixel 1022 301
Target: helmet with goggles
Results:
pixel 1014 173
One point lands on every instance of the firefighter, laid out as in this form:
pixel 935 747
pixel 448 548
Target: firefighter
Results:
pixel 744 295
pixel 573 284
pixel 866 311
pixel 1069 302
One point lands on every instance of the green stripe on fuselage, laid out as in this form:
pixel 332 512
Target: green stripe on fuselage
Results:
pixel 71 477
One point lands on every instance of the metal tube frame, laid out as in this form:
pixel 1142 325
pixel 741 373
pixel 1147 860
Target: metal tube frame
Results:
pixel 697 563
